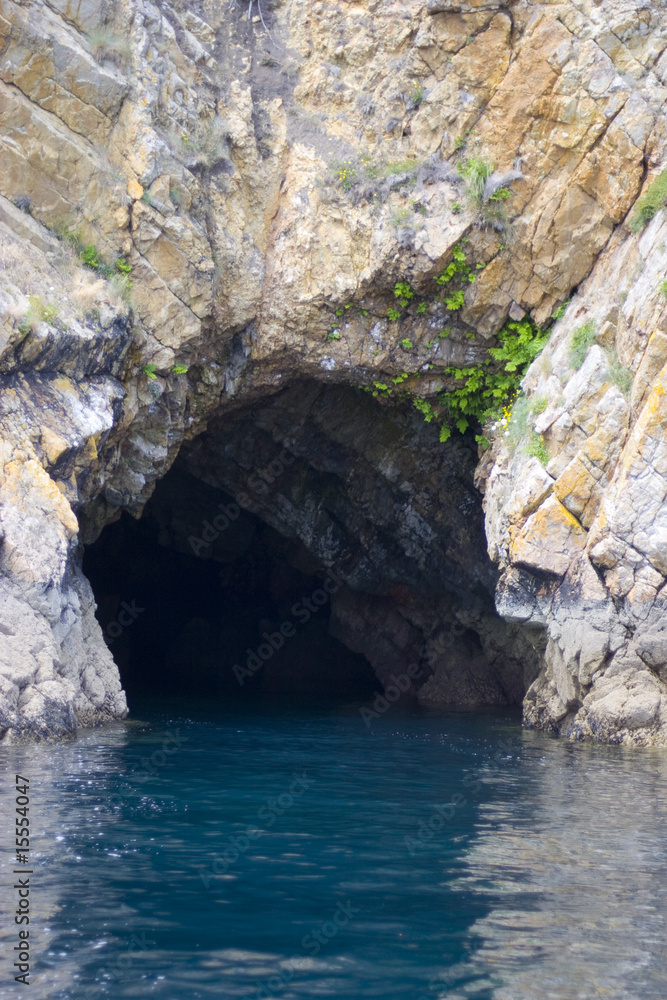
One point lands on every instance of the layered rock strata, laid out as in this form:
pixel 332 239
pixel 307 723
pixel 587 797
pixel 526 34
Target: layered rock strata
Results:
pixel 258 175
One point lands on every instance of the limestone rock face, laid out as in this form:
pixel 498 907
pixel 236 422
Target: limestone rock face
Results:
pixel 268 180
pixel 595 578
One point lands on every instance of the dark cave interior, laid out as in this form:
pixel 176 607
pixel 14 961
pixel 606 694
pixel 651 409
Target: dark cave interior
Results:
pixel 182 624
pixel 230 558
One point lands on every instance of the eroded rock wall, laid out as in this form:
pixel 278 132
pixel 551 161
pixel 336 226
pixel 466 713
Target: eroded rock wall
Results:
pixel 582 541
pixel 198 146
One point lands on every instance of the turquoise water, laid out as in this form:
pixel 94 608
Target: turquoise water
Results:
pixel 193 853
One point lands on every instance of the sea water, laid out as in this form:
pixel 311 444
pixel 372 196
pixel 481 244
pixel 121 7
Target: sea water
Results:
pixel 199 851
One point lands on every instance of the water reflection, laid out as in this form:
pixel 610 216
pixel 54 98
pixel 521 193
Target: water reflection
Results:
pixel 572 849
pixel 546 879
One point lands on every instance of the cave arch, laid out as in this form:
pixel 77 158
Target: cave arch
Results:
pixel 314 544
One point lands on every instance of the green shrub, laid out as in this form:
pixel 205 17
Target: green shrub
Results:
pixel 488 384
pixel 537 448
pixel 90 257
pixel 425 408
pixel 582 338
pixel 619 375
pixel 455 300
pixel 479 390
pixel 403 291
pixel 149 370
pixel 477 171
pixel 179 370
pixel 416 95
pixel 650 203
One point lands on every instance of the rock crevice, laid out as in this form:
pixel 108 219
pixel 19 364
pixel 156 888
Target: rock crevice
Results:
pixel 246 195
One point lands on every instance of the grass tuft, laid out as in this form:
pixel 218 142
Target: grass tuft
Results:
pixel 582 338
pixel 650 203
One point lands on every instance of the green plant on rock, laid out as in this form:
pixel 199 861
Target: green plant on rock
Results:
pixel 487 385
pixel 403 292
pixel 618 374
pixel 90 257
pixel 203 148
pixel 179 370
pixel 663 289
pixel 425 408
pixel 333 335
pixel 421 308
pixel 455 300
pixel 38 311
pixel 476 171
pixel 149 370
pixel 537 448
pixel 458 266
pixel 401 218
pixel 406 344
pixel 486 189
pixel 558 313
pixel 650 203
pixel 393 314
pixel 582 338
pixel 369 179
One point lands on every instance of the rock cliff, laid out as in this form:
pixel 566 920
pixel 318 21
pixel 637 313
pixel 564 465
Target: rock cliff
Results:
pixel 222 222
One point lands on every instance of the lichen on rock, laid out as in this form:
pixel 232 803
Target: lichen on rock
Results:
pixel 195 151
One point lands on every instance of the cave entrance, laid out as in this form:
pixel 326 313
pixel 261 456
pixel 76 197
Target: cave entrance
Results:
pixel 222 587
pixel 199 597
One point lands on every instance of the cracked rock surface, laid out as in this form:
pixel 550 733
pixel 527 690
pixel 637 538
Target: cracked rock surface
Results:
pixel 202 150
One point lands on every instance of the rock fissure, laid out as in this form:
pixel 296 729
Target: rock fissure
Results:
pixel 208 165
